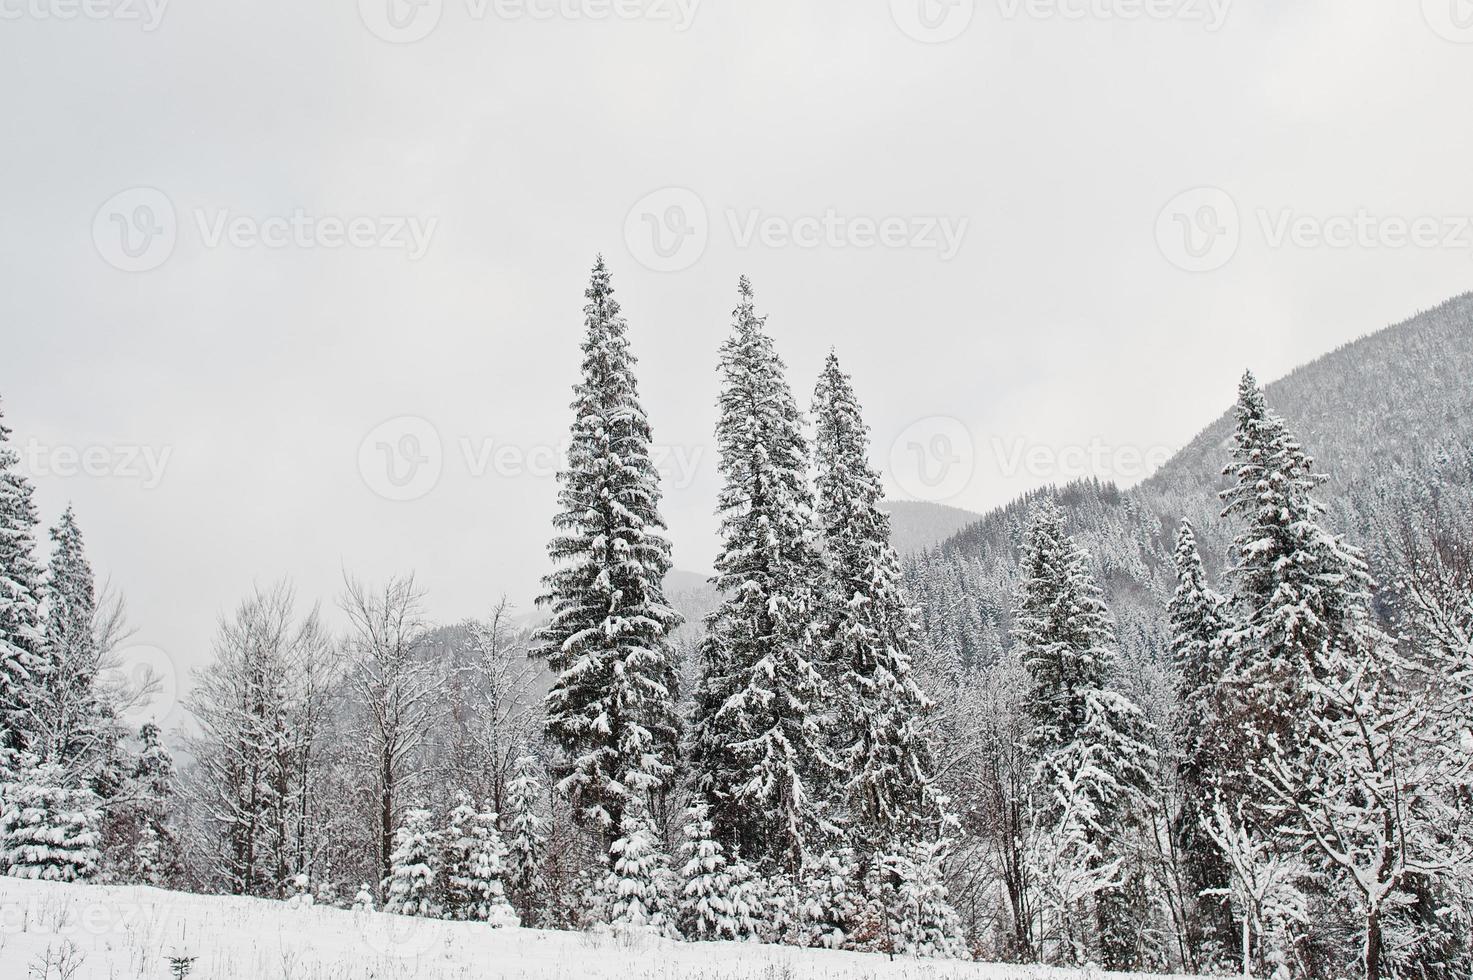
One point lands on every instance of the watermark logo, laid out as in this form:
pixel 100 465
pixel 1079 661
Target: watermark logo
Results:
pixel 1452 20
pixel 135 230
pixel 147 684
pixel 148 14
pixel 399 937
pixel 1199 230
pixel 933 21
pixel 400 21
pixel 402 459
pixel 668 230
pixel 933 459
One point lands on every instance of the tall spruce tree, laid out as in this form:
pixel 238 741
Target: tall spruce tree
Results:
pixel 868 630
pixel 1197 614
pixel 69 716
pixel 1091 743
pixel 759 727
pixel 22 639
pixel 612 707
pixel 1299 594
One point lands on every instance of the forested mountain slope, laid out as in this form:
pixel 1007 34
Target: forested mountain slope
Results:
pixel 1388 417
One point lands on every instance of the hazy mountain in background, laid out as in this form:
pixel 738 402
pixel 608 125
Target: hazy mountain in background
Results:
pixel 1388 417
pixel 916 525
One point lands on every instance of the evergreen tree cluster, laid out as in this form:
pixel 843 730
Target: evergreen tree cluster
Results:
pixel 806 752
pixel 81 796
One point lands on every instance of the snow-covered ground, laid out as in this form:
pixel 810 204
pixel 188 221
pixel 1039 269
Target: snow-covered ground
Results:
pixel 90 932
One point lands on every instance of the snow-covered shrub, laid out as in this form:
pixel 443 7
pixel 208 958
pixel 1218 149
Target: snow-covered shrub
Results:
pixel 48 830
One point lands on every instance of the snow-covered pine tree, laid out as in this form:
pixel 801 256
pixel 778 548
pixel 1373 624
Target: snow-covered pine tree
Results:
pixel 22 639
pixel 475 869
pixel 749 900
pixel 140 843
pixel 363 900
pixel 415 870
pixel 526 840
pixel 1299 593
pixel 1085 736
pixel 831 900
pixel 1198 620
pixel 457 842
pixel 759 727
pixel 637 889
pixel 868 630
pixel 48 827
pixel 69 715
pixel 612 707
pixel 705 911
pixel 923 922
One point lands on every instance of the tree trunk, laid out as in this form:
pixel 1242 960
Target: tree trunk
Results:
pixel 1373 946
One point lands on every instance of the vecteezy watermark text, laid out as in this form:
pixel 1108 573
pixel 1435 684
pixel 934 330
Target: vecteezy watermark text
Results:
pixel 669 230
pixel 137 230
pixel 144 465
pixel 1200 230
pixel 407 21
pixel 147 14
pixel 404 458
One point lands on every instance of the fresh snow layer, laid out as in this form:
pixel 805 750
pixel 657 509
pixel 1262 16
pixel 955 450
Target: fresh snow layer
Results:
pixel 131 933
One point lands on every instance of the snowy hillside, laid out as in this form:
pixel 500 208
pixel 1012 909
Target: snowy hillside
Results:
pixel 1389 418
pixel 917 526
pixel 126 933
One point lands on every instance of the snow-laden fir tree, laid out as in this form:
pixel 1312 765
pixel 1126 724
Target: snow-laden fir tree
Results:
pixel 637 891
pixel 749 900
pixel 611 710
pixel 831 900
pixel 758 752
pixel 49 828
pixel 1300 594
pixel 22 640
pixel 140 839
pixel 69 714
pixel 457 841
pixel 526 839
pixel 705 892
pixel 1088 739
pixel 475 869
pixel 1198 621
pixel 414 877
pixel 923 923
pixel 868 630
pixel 363 899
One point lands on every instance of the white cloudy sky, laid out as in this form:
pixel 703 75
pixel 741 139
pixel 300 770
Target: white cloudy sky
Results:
pixel 1060 322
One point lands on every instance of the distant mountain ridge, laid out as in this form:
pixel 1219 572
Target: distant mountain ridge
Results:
pixel 1389 417
pixel 916 525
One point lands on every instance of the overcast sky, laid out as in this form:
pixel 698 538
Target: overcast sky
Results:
pixel 273 264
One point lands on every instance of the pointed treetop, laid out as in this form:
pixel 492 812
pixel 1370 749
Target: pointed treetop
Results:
pixel 744 288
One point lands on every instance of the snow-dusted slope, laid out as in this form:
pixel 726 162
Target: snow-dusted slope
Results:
pixel 131 933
